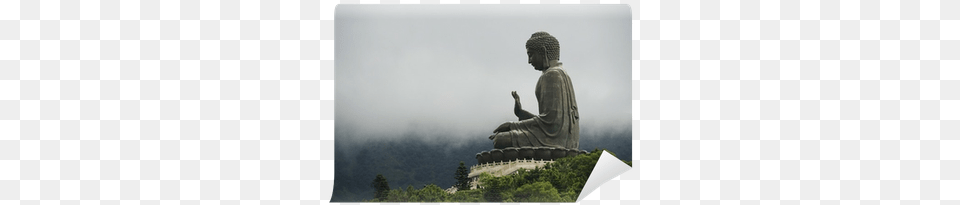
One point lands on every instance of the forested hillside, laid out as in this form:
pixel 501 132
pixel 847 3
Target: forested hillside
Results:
pixel 415 162
pixel 560 181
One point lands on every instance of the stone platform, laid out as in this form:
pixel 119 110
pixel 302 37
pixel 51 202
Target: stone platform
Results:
pixel 500 162
pixel 503 168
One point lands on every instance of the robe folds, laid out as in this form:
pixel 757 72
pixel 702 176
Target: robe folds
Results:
pixel 557 125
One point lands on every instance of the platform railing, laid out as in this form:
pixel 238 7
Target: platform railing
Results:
pixel 498 163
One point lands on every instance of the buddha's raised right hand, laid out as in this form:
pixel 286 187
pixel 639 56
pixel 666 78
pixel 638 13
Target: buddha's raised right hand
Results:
pixel 518 110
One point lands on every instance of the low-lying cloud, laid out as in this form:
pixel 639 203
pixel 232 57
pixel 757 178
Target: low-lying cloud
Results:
pixel 450 75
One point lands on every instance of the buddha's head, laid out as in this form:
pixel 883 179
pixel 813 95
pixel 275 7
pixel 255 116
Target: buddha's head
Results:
pixel 542 48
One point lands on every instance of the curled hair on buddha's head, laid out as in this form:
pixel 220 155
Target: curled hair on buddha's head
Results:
pixel 542 40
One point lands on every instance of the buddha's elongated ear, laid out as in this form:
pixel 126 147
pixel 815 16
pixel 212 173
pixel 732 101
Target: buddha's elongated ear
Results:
pixel 546 58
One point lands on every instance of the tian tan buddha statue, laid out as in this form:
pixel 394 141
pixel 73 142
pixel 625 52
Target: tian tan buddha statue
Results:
pixel 557 124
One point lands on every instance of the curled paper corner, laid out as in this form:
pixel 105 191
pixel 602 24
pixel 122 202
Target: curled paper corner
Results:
pixel 608 167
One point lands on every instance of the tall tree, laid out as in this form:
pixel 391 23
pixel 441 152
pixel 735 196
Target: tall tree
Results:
pixel 463 181
pixel 381 187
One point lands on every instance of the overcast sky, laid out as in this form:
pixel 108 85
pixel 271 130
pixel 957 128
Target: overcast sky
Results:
pixel 449 69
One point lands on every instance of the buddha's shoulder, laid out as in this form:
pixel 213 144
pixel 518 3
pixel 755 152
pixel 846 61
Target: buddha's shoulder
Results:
pixel 556 70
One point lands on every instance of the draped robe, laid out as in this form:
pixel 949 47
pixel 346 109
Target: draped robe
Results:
pixel 557 125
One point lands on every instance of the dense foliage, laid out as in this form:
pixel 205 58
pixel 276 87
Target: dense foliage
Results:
pixel 560 181
pixel 380 187
pixel 463 182
pixel 419 160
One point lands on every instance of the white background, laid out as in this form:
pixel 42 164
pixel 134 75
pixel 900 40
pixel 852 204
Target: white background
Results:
pixel 735 102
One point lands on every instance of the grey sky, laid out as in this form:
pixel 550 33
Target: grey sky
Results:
pixel 449 69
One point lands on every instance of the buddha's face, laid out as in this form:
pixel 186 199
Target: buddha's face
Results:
pixel 536 59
